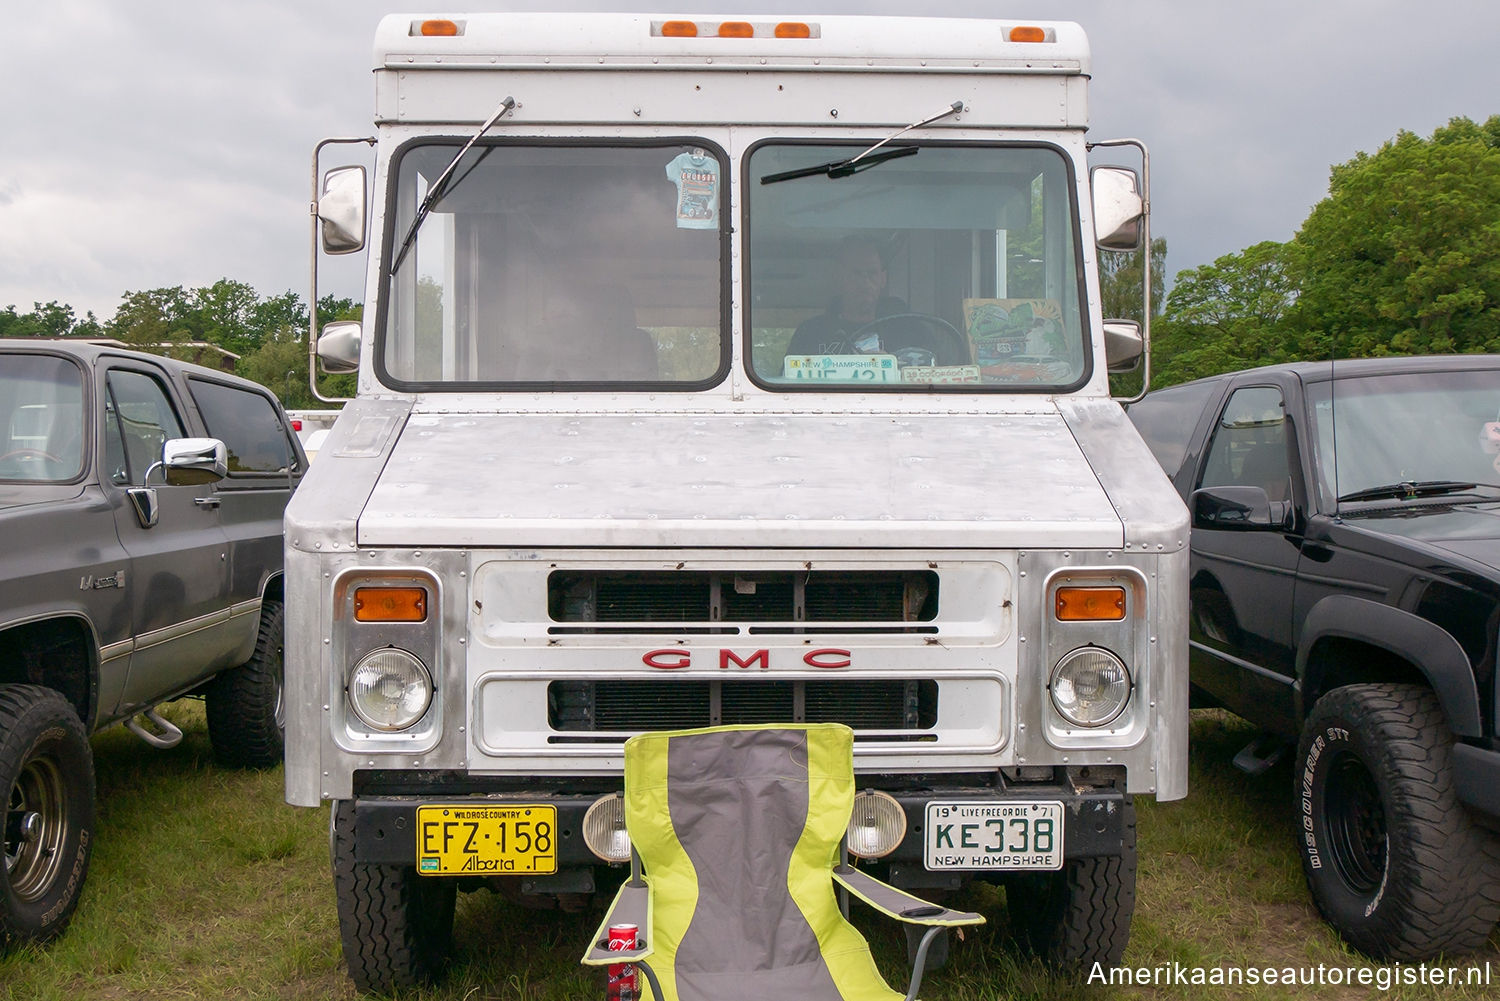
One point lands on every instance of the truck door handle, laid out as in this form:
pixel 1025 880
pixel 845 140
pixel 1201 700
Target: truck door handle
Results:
pixel 206 501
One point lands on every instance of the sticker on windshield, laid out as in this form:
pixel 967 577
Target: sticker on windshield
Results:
pixel 696 175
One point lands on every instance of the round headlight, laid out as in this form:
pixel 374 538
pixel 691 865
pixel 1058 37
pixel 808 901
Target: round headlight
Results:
pixel 1090 686
pixel 604 829
pixel 389 689
pixel 876 825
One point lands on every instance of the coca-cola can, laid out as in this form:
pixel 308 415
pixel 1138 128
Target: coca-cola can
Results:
pixel 624 982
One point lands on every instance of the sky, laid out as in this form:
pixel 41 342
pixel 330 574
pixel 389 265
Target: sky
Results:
pixel 157 143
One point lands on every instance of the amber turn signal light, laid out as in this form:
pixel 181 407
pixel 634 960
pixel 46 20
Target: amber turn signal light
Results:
pixel 1090 604
pixel 390 604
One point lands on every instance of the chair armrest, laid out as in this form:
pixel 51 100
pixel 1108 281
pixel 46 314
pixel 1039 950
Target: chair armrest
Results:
pixel 632 905
pixel 899 904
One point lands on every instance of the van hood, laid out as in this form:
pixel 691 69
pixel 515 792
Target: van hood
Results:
pixel 683 480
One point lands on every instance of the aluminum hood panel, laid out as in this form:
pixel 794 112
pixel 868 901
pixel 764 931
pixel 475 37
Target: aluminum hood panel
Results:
pixel 970 481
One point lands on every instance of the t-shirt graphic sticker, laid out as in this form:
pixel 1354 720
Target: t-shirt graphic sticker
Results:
pixel 696 175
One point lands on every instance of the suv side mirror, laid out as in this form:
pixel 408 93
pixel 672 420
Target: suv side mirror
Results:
pixel 341 208
pixel 1237 508
pixel 1118 208
pixel 188 462
pixel 338 346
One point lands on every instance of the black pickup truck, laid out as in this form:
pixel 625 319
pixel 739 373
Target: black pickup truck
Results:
pixel 1346 599
pixel 141 502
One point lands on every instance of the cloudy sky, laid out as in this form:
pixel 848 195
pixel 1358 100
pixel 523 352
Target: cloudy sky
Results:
pixel 157 142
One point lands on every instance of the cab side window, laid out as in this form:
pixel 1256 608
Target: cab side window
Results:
pixel 138 420
pixel 248 425
pixel 1249 446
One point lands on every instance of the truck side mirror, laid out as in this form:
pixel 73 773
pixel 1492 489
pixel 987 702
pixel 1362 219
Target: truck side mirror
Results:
pixel 188 462
pixel 338 346
pixel 1238 508
pixel 341 209
pixel 1119 208
pixel 1123 345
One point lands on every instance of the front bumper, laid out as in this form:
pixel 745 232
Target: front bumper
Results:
pixel 1095 825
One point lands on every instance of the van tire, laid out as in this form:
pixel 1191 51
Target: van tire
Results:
pixel 1079 915
pixel 396 926
pixel 47 773
pixel 244 705
pixel 1392 859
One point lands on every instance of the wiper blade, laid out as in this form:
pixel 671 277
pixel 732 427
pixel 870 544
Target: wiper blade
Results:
pixel 1409 490
pixel 438 188
pixel 842 168
pixel 866 159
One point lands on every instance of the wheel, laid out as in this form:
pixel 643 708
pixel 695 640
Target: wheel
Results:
pixel 919 332
pixel 46 765
pixel 243 705
pixel 1392 859
pixel 396 926
pixel 1080 915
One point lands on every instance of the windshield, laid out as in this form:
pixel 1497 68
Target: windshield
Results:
pixel 579 264
pixel 938 266
pixel 41 418
pixel 1416 428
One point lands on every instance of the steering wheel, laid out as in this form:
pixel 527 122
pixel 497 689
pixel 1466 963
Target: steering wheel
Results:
pixel 38 453
pixel 943 339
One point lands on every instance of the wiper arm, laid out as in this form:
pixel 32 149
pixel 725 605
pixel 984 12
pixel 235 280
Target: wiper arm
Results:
pixel 1410 489
pixel 866 159
pixel 438 189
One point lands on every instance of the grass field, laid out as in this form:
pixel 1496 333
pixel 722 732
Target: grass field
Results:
pixel 205 885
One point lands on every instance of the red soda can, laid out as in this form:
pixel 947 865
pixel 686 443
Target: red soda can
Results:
pixel 624 982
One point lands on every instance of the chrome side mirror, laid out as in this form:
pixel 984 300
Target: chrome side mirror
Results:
pixel 190 462
pixel 1123 345
pixel 341 209
pixel 338 346
pixel 1118 208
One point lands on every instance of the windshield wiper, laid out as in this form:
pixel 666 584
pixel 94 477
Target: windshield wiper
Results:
pixel 867 159
pixel 438 189
pixel 1409 490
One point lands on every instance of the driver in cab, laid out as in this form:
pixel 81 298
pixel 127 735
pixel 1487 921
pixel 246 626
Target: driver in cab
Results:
pixel 859 275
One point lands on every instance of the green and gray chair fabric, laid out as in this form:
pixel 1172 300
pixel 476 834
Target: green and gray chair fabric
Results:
pixel 737 835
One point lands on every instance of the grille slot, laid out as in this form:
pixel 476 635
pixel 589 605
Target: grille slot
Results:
pixel 612 601
pixel 631 706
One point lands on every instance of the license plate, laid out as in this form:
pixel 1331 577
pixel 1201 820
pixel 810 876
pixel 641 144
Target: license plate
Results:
pixel 486 840
pixel 993 835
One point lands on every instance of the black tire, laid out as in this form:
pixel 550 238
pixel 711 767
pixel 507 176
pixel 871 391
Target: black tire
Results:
pixel 1392 859
pixel 47 771
pixel 396 925
pixel 244 705
pixel 1079 915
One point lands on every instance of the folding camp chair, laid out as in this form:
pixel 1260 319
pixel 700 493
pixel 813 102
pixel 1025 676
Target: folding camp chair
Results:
pixel 737 837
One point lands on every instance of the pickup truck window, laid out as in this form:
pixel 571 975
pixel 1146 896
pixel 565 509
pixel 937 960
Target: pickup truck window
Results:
pixel 1415 429
pixel 933 266
pixel 247 424
pixel 138 421
pixel 563 264
pixel 41 415
pixel 1167 419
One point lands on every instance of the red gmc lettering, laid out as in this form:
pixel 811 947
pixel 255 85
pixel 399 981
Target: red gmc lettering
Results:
pixel 831 657
pixel 668 660
pixel 764 656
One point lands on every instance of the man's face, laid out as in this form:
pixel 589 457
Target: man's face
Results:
pixel 861 283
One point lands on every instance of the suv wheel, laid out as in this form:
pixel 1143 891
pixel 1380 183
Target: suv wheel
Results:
pixel 47 772
pixel 1080 915
pixel 1391 857
pixel 396 925
pixel 244 705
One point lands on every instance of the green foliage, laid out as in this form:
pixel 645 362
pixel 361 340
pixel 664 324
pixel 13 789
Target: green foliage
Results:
pixel 1120 289
pixel 54 319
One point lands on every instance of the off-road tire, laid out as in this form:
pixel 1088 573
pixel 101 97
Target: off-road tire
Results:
pixel 1392 859
pixel 243 705
pixel 1079 915
pixel 396 926
pixel 47 774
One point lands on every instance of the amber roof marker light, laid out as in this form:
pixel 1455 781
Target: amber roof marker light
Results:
pixel 437 28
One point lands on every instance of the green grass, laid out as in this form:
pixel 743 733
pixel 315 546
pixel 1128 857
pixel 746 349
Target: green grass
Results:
pixel 205 885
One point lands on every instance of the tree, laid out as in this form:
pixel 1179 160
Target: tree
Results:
pixel 1403 256
pixel 54 319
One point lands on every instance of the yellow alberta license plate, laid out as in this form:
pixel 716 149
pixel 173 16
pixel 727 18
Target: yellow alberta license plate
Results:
pixel 486 840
